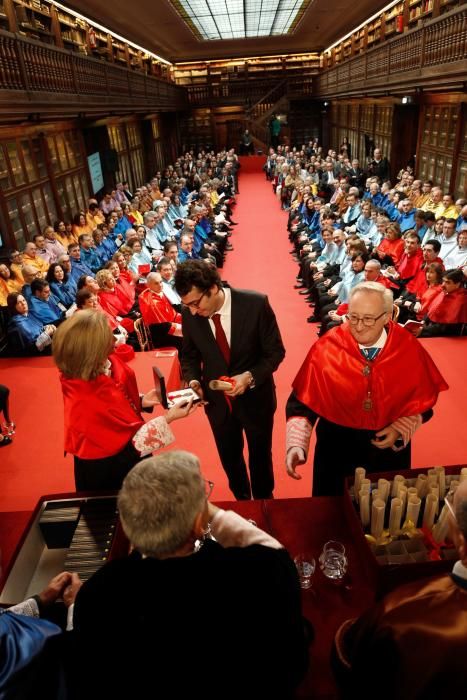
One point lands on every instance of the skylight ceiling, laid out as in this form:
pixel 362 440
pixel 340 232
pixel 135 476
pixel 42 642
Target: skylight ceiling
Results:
pixel 239 19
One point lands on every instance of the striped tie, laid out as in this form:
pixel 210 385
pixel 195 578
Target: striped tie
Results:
pixel 369 353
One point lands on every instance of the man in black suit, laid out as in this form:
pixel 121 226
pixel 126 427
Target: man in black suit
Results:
pixel 328 181
pixel 234 333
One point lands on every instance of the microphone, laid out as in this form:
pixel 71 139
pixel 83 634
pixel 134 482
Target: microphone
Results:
pixel 219 385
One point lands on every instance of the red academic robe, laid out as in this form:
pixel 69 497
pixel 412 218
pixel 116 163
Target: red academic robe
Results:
pixel 426 300
pixel 393 248
pixel 126 293
pixel 157 308
pixel 409 265
pixel 101 415
pixel 449 308
pixel 418 284
pixel 403 380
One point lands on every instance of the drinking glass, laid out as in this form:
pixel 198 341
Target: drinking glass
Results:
pixel 306 566
pixel 333 561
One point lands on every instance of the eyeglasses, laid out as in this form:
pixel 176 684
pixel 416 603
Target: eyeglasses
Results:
pixel 208 487
pixel 195 304
pixel 368 321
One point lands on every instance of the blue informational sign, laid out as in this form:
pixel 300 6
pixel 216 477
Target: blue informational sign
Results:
pixel 95 171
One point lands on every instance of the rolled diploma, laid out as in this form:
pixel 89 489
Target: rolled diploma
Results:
pixel 365 486
pixel 364 508
pixel 441 481
pixel 403 497
pixel 412 491
pixel 398 480
pixel 375 494
pixel 435 491
pixel 377 518
pixel 395 516
pixel 441 528
pixel 413 509
pixel 430 511
pixel 453 486
pixel 383 488
pixel 360 474
pixel 420 485
pixel 463 475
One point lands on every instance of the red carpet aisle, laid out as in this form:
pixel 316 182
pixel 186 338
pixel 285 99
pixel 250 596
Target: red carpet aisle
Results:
pixel 34 464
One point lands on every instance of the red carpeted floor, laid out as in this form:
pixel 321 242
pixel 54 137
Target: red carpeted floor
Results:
pixel 34 464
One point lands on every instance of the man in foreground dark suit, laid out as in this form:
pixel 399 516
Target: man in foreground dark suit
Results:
pixel 234 333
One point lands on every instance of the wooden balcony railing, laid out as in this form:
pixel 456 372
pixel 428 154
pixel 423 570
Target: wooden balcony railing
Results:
pixel 33 74
pixel 426 55
pixel 247 92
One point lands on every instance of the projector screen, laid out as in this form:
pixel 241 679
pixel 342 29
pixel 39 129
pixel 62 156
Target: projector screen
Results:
pixel 95 171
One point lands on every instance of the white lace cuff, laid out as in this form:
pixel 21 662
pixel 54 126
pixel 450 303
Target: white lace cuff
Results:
pixel 152 436
pixel 298 434
pixel 28 607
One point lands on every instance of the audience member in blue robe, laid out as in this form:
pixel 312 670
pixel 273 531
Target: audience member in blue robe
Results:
pixel 58 280
pixel 42 306
pixel 78 267
pixel 88 253
pixel 406 218
pixel 26 334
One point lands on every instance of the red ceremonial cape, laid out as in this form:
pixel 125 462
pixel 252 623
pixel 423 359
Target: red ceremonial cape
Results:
pixel 426 300
pixel 449 308
pixel 403 380
pixel 386 282
pixel 157 309
pixel 418 285
pixel 393 248
pixel 409 265
pixel 101 415
pixel 126 294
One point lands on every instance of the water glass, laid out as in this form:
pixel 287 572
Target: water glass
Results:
pixel 333 561
pixel 306 566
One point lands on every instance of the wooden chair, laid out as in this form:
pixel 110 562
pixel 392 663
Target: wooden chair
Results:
pixel 143 335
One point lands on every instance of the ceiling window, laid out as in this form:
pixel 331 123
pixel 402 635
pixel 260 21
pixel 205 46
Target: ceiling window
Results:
pixel 239 19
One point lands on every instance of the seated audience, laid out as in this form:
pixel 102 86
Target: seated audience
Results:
pixel 242 573
pixel 61 291
pixel 8 283
pixel 447 313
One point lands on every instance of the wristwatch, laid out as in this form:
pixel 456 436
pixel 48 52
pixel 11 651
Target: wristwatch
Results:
pixel 251 382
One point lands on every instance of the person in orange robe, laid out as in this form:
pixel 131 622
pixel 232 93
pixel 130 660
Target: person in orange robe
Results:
pixel 370 384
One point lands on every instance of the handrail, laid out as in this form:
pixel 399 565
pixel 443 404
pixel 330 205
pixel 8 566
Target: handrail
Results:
pixel 30 69
pixel 440 41
pixel 275 88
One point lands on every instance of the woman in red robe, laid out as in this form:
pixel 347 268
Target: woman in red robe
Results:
pixel 392 245
pixel 104 428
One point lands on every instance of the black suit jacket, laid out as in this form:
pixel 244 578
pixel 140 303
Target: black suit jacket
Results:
pixel 255 345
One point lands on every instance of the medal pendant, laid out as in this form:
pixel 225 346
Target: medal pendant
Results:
pixel 366 370
pixel 367 405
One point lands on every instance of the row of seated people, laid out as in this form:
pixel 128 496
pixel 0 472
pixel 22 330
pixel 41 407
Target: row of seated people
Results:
pixel 127 267
pixel 326 239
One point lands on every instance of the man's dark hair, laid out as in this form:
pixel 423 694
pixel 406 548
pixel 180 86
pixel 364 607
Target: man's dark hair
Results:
pixel 429 216
pixel 162 262
pixel 455 276
pixel 195 273
pixel 38 285
pixel 435 244
pixel 168 245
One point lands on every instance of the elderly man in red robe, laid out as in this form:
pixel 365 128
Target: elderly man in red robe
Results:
pixel 369 384
pixel 165 324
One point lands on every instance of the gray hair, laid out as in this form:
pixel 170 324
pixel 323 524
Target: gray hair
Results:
pixel 148 215
pixel 374 288
pixel 159 501
pixel 374 263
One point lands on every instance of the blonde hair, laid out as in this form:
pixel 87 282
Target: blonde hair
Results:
pixel 102 276
pixel 82 344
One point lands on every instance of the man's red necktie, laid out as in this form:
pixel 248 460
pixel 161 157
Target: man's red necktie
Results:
pixel 221 338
